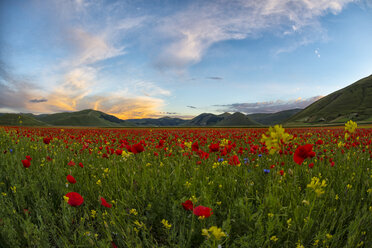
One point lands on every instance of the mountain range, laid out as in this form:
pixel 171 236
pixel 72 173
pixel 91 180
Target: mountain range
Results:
pixel 353 102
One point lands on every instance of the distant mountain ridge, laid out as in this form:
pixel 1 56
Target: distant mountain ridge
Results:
pixel 94 118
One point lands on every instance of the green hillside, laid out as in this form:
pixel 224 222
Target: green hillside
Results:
pixel 237 119
pixel 205 119
pixel 271 119
pixel 352 102
pixel 19 120
pixel 86 117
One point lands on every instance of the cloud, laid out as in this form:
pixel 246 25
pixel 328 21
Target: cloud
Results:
pixel 317 53
pixel 267 107
pixel 192 107
pixel 75 93
pixel 189 33
pixel 215 78
pixel 90 48
pixel 38 100
pixel 15 90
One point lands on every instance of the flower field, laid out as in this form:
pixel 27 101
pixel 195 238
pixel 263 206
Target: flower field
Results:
pixel 300 187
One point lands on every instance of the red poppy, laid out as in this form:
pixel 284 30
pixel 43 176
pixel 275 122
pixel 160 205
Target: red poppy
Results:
pixel 214 147
pixel 105 203
pixel 234 160
pixel 195 146
pixel 203 211
pixel 71 179
pixel 118 152
pixel 26 163
pixel 74 199
pixel 28 158
pixel 188 205
pixel 71 163
pixel 81 165
pixel 311 165
pixel 46 140
pixel 281 172
pixel 137 148
pixel 303 152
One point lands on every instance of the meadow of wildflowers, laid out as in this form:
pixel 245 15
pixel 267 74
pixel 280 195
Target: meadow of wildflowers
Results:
pixel 300 187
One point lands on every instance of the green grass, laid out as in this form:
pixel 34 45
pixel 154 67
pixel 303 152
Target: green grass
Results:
pixel 20 119
pixel 250 206
pixel 352 102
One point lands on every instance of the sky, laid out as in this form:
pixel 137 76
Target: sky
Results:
pixel 149 59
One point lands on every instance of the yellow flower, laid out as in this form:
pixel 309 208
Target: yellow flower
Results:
pixel 66 198
pixel 289 222
pixel 139 224
pixel 274 238
pixel 98 182
pixel 187 184
pixel 316 242
pixel 299 245
pixel 3 193
pixel 336 197
pixel 218 203
pixel 328 236
pixel 270 215
pixel 224 142
pixel 350 126
pixel 93 213
pixel 166 224
pixel 205 232
pixel 216 232
pixel 14 189
pixel 188 144
pixel 349 186
pixel 133 211
pixel 317 186
pixel 275 137
pixel 193 199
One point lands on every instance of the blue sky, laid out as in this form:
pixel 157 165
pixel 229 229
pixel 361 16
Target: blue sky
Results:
pixel 136 59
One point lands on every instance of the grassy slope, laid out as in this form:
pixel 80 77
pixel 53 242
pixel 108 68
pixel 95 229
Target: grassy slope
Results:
pixel 205 119
pixel 14 120
pixel 273 118
pixel 237 119
pixel 82 118
pixel 352 102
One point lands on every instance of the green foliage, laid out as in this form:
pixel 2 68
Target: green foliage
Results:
pixel 250 206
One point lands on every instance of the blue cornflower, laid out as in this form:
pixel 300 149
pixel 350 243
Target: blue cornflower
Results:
pixel 11 150
pixel 259 155
pixel 266 171
pixel 246 160
pixel 220 160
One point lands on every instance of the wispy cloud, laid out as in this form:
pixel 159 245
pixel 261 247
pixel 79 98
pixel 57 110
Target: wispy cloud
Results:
pixel 267 107
pixel 215 78
pixel 192 107
pixel 189 33
pixel 38 100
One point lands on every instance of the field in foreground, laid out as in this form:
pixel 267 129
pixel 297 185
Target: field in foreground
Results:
pixel 311 187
